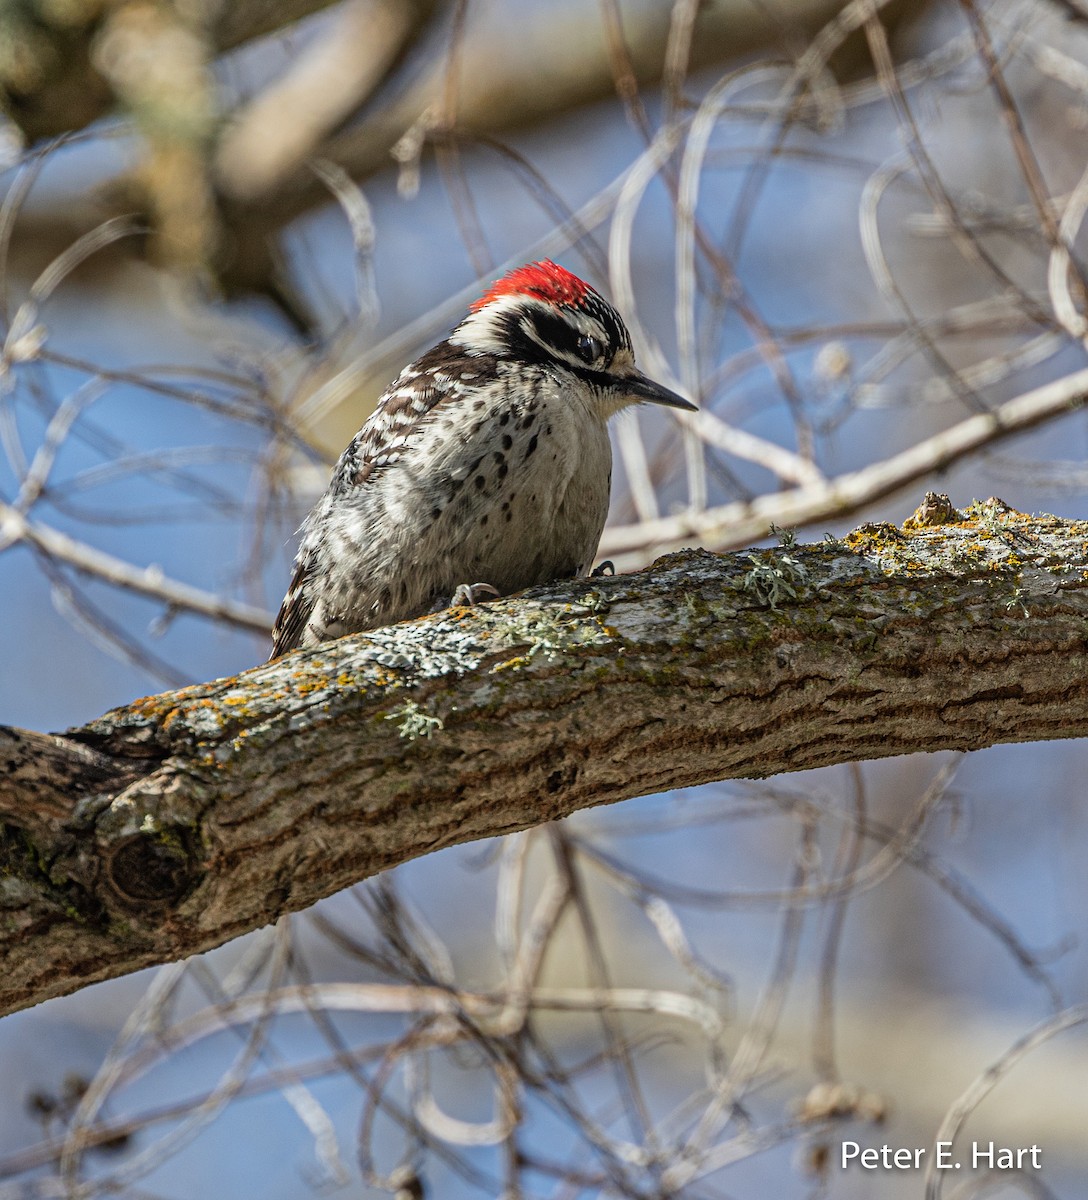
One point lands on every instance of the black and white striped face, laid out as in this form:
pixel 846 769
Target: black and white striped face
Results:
pixel 589 336
pixel 545 316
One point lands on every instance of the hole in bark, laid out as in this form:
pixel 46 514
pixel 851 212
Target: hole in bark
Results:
pixel 145 869
pixel 558 780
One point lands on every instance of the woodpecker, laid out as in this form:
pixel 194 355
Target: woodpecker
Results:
pixel 484 469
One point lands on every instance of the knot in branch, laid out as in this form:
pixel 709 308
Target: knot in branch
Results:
pixel 151 870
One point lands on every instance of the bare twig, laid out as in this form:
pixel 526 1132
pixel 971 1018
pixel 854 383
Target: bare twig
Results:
pixel 738 523
pixel 144 581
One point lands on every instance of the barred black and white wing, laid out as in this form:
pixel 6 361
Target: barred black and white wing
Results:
pixel 444 374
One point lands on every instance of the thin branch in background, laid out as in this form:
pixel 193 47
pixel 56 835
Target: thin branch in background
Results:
pixel 24 343
pixel 847 865
pixel 1025 155
pixel 353 204
pixel 905 844
pixel 966 1104
pixel 737 524
pixel 633 1101
pixel 551 202
pixel 447 150
pixel 1073 9
pixel 623 69
pixel 102 630
pixel 15 197
pixel 144 581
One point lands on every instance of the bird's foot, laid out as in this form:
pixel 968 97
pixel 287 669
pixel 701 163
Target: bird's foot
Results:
pixel 605 568
pixel 468 594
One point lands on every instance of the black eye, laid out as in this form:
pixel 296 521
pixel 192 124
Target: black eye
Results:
pixel 588 348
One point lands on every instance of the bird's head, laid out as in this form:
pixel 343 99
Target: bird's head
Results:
pixel 541 313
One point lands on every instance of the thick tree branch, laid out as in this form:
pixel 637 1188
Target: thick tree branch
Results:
pixel 171 825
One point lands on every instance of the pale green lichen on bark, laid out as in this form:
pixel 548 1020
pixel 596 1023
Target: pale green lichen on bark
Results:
pixel 414 722
pixel 776 580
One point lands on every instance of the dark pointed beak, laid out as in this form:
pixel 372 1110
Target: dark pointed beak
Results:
pixel 639 387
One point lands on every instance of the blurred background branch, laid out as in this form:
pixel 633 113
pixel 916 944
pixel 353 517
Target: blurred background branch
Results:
pixel 373 80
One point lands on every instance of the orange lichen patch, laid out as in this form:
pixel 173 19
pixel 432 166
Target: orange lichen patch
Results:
pixel 306 687
pixel 460 613
pixel 988 534
pixel 153 706
pixel 512 664
pixel 885 542
pixel 882 532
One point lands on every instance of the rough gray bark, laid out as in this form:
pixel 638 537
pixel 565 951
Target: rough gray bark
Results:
pixel 171 825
